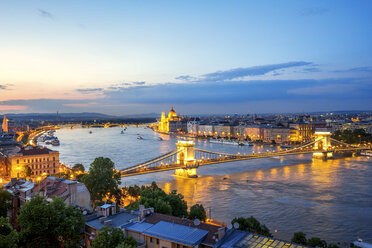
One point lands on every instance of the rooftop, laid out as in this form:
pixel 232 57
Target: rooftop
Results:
pixel 118 220
pixel 184 235
pixel 29 151
pixel 240 239
pixel 212 229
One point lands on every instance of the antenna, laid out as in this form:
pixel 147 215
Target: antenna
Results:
pixel 229 226
pixel 236 225
pixel 196 222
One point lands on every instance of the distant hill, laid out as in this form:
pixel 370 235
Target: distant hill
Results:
pixel 150 115
pixel 60 116
pixel 76 116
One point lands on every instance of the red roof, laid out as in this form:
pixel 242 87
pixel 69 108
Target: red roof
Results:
pixel 35 151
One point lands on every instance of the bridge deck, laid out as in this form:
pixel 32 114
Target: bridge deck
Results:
pixel 141 169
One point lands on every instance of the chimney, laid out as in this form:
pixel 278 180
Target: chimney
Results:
pixel 142 212
pixel 107 222
pixel 102 219
pixel 220 233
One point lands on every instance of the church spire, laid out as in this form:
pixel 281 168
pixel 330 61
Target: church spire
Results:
pixel 5 124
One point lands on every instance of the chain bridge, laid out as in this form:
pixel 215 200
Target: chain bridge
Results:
pixel 185 159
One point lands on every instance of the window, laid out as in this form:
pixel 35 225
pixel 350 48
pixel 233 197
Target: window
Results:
pixel 17 161
pixel 151 240
pixel 178 246
pixel 157 241
pixel 54 158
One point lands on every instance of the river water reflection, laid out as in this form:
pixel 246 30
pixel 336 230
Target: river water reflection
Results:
pixel 329 199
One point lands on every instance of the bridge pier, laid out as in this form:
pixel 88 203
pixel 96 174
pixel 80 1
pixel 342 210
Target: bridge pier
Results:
pixel 322 144
pixel 189 173
pixel 323 154
pixel 186 157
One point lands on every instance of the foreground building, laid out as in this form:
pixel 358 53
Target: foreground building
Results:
pixel 240 239
pixel 153 230
pixel 73 193
pixel 21 190
pixel 41 160
pixel 106 216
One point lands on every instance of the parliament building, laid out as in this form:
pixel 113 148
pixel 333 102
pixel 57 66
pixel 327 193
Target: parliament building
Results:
pixel 172 123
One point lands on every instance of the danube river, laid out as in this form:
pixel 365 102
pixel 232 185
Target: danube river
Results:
pixel 328 199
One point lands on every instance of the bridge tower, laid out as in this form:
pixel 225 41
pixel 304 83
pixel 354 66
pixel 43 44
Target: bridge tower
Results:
pixel 185 157
pixel 322 144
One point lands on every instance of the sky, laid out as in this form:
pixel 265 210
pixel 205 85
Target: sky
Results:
pixel 202 57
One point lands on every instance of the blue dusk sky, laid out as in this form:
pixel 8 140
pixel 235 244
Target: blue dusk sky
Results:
pixel 133 57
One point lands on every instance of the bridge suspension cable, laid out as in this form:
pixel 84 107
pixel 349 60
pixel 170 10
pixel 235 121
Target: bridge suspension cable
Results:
pixel 152 161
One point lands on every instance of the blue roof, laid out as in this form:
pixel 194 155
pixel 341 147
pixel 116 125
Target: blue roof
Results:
pixel 117 220
pixel 139 227
pixel 184 235
pixel 231 238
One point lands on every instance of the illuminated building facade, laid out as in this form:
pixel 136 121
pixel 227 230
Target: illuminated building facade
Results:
pixel 171 123
pixel 5 124
pixel 41 160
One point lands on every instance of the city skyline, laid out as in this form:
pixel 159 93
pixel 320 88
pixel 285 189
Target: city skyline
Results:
pixel 125 58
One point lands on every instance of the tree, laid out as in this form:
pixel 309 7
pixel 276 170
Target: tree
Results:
pixel 8 236
pixel 134 191
pixel 333 246
pixel 102 180
pixel 153 196
pixel 251 224
pixel 316 242
pixel 108 237
pixel 78 168
pixel 197 212
pixel 299 238
pixel 129 242
pixel 51 224
pixel 25 139
pixel 27 171
pixel 5 202
pixel 178 204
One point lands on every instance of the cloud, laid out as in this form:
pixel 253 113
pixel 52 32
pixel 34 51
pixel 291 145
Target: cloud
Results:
pixel 314 11
pixel 327 90
pixel 12 107
pixel 367 69
pixel 311 69
pixel 6 86
pixel 45 14
pixel 125 85
pixel 251 71
pixel 91 90
pixel 226 92
pixel 185 78
pixel 80 105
